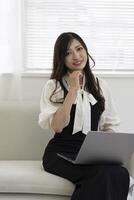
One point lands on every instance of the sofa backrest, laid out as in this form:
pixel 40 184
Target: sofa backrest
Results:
pixel 21 138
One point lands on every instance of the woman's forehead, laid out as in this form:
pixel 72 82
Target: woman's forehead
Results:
pixel 73 43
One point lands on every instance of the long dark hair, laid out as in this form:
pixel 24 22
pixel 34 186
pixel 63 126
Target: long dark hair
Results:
pixel 59 68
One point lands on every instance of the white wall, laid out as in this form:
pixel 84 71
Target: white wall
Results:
pixel 122 90
pixel 121 87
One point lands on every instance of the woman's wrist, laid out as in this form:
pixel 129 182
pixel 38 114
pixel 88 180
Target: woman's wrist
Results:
pixel 73 90
pixel 72 94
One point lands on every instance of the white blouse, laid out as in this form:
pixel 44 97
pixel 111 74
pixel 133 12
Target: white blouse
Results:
pixel 82 121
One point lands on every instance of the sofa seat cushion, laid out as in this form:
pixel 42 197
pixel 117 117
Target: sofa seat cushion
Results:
pixel 30 177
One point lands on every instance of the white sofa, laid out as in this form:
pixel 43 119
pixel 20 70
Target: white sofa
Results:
pixel 22 144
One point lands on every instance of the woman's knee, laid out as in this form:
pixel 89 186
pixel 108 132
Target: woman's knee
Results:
pixel 107 171
pixel 114 170
pixel 115 174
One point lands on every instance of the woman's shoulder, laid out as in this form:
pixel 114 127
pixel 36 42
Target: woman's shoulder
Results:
pixel 48 87
pixel 50 84
pixel 102 83
pixel 104 86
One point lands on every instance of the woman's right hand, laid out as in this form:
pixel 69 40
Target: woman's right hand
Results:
pixel 74 80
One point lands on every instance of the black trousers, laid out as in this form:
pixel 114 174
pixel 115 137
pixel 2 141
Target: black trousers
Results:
pixel 93 182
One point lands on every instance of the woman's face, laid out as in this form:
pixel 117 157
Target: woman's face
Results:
pixel 76 56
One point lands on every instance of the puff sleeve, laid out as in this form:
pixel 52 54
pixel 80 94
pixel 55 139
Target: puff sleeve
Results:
pixel 109 118
pixel 47 108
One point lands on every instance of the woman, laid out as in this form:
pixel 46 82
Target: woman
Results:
pixel 74 102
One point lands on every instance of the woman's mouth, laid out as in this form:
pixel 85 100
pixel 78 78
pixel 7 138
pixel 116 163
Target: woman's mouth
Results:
pixel 78 63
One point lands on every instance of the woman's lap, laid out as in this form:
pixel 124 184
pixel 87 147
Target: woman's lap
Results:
pixel 104 180
pixel 58 166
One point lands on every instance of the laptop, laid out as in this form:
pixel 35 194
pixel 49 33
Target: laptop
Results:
pixel 104 148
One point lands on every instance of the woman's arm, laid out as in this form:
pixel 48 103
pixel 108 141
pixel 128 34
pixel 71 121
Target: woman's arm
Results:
pixel 109 119
pixel 62 116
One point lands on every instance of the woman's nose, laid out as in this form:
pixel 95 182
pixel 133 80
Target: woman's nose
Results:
pixel 76 55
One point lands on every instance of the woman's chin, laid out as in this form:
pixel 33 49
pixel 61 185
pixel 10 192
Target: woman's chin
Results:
pixel 76 69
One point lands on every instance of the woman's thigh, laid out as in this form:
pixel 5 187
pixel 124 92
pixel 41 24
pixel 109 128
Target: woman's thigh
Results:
pixel 76 173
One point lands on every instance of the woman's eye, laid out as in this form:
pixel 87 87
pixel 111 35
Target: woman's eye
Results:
pixel 68 53
pixel 80 48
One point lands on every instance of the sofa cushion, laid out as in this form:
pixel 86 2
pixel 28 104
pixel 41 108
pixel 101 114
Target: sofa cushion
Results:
pixel 19 128
pixel 30 177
